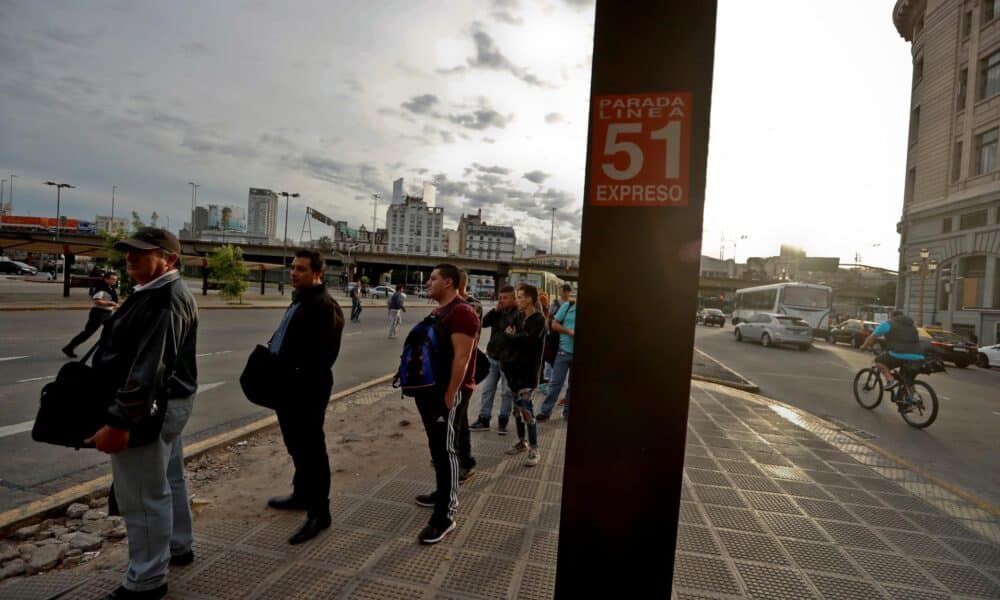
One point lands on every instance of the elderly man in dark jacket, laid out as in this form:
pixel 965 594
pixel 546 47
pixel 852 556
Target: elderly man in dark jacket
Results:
pixel 147 356
pixel 307 343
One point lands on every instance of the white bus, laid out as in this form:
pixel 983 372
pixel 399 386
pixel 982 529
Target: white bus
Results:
pixel 809 301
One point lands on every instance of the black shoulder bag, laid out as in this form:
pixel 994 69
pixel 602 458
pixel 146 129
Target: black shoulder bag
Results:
pixel 73 407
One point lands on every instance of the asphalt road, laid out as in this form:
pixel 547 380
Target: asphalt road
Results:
pixel 960 447
pixel 30 358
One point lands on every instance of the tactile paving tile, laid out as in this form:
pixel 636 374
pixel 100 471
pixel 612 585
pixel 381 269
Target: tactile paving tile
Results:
pixel 792 473
pixel 820 557
pixel 707 477
pixel 489 448
pixel 794 527
pixel 835 588
pixel 487 536
pixel 402 490
pixel 962 579
pixel 918 544
pixel 854 496
pixel 899 593
pixel 704 573
pixel 980 553
pixel 804 490
pixel 757 484
pixel 877 484
pixel 850 534
pixel 747 546
pixel 554 474
pixel 537 583
pixel 890 568
pixel 742 468
pixel 227 532
pixel 695 450
pixel 907 502
pixel 412 562
pixel 829 478
pixel 772 503
pixel 812 464
pixel 728 454
pixel 514 466
pixel 856 470
pixel 719 495
pixel 467 572
pixel 544 548
pixel 700 462
pixel 733 518
pixel 552 492
pixel 772 582
pixel 689 514
pixel 696 539
pixel 233 575
pixel 340 506
pixel 715 441
pixel 47 585
pixel 273 536
pixel 518 487
pixel 380 516
pixel 883 517
pixel 370 589
pixel 346 548
pixel 304 582
pixel 548 517
pixel 821 509
pixel 945 526
pixel 506 509
pixel 767 458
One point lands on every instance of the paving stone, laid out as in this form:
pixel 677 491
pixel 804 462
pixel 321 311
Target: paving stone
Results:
pixel 836 588
pixel 772 582
pixel 86 542
pixel 13 568
pixel 8 552
pixel 76 510
pixel 820 557
pixel 704 573
pixel 749 546
pixel 45 557
pixel 962 579
pixel 28 532
pixel 696 539
pixel 94 514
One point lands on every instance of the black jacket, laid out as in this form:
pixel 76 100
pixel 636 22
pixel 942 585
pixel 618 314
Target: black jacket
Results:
pixel 146 356
pixel 498 321
pixel 521 352
pixel 903 337
pixel 312 342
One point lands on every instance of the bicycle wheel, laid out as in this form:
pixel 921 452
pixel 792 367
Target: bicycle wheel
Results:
pixel 868 388
pixel 925 406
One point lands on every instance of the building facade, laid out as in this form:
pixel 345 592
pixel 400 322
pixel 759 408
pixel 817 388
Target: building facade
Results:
pixel 563 261
pixel 477 239
pixel 414 227
pixel 949 266
pixel 262 214
pixel 110 225
pixel 449 242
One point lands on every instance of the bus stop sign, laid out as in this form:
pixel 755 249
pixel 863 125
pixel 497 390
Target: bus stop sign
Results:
pixel 641 155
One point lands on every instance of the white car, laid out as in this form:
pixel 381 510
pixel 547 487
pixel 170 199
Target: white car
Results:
pixel 989 356
pixel 772 328
pixel 384 291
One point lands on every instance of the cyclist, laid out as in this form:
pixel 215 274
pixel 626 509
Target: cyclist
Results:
pixel 902 345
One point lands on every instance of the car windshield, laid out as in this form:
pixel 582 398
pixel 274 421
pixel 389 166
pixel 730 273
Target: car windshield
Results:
pixel 805 297
pixel 792 322
pixel 713 311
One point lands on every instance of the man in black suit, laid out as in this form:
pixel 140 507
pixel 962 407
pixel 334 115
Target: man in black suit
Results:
pixel 307 343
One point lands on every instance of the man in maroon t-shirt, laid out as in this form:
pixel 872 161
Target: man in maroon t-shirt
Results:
pixel 439 412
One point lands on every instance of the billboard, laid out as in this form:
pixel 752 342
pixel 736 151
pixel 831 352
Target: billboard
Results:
pixel 227 218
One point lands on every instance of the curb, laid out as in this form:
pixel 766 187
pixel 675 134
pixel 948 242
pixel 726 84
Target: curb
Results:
pixel 22 515
pixel 747 385
pixel 751 387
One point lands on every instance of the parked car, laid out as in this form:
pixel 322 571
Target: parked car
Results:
pixel 711 316
pixel 952 347
pixel 989 356
pixel 851 331
pixel 384 291
pixel 15 267
pixel 772 328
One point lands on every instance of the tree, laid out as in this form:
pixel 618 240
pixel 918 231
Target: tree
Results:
pixel 226 264
pixel 137 223
pixel 887 293
pixel 324 244
pixel 116 261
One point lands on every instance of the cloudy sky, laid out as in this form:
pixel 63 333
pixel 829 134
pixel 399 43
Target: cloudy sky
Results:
pixel 487 100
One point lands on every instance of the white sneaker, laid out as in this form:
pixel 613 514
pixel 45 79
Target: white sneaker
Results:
pixel 518 448
pixel 533 458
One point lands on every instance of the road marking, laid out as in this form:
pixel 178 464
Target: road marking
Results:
pixel 213 353
pixel 806 376
pixel 209 386
pixel 6 358
pixel 35 379
pixel 355 333
pixel 997 413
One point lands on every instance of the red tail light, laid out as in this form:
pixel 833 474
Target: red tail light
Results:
pixel 941 345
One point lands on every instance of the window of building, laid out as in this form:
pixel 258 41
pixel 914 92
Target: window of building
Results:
pixel 971 282
pixel 914 125
pixel 986 152
pixel 967 24
pixel 991 10
pixel 911 183
pixel 918 70
pixel 963 88
pixel 989 76
pixel 946 225
pixel 956 162
pixel 972 220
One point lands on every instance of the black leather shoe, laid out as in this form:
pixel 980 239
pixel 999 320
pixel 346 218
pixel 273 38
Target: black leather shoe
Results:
pixel 287 503
pixel 309 529
pixel 121 593
pixel 182 560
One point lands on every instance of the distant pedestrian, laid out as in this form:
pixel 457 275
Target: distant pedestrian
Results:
pixel 563 323
pixel 307 343
pixel 104 301
pixel 521 361
pixel 396 310
pixel 498 320
pixel 147 356
pixel 356 304
pixel 439 407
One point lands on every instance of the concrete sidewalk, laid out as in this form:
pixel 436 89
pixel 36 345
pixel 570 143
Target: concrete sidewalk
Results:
pixel 775 504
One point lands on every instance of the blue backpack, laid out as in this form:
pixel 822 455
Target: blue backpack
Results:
pixel 425 364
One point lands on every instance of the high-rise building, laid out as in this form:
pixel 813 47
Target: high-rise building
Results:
pixel 262 209
pixel 949 263
pixel 110 225
pixel 413 226
pixel 481 240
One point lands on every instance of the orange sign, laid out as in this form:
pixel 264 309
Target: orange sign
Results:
pixel 641 149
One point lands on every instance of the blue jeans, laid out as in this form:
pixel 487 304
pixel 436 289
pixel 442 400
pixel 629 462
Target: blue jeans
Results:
pixel 489 386
pixel 152 497
pixel 524 418
pixel 560 371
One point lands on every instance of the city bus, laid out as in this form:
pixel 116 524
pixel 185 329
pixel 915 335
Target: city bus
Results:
pixel 543 280
pixel 809 301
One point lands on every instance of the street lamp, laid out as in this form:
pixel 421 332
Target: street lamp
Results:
pixel 284 243
pixel 59 187
pixel 350 275
pixel 111 228
pixel 194 200
pixel 923 268
pixel 3 184
pixel 10 202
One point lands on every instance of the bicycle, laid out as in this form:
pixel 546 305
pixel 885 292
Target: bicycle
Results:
pixel 916 400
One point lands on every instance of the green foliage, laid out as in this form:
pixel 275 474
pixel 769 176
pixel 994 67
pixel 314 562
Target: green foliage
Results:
pixel 226 264
pixel 137 223
pixel 364 279
pixel 324 244
pixel 116 262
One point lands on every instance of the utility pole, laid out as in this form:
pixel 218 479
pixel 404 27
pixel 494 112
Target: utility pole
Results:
pixel 10 202
pixel 375 198
pixel 111 226
pixel 3 184
pixel 552 230
pixel 194 199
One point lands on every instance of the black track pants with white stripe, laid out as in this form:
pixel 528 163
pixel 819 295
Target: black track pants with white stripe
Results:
pixel 439 423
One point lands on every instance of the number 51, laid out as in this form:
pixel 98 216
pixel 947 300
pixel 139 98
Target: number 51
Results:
pixel 671 133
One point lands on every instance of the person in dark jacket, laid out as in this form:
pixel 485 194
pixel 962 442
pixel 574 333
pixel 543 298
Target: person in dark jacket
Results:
pixel 498 320
pixel 902 342
pixel 307 343
pixel 104 299
pixel 521 362
pixel 147 356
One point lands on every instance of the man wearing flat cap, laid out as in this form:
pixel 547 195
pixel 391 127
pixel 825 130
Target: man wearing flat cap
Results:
pixel 147 357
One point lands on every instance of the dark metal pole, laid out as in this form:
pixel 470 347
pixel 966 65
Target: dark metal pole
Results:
pixel 58 210
pixel 284 246
pixel 262 275
pixel 647 152
pixel 67 262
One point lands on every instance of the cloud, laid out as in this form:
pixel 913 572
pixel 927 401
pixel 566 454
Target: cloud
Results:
pixel 223 148
pixel 480 119
pixel 195 49
pixel 505 17
pixel 554 117
pixel 489 56
pixel 536 176
pixel 498 170
pixel 422 104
